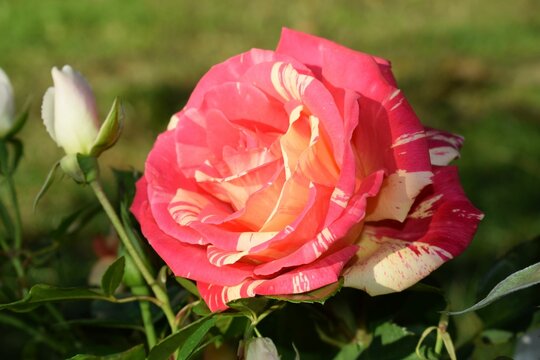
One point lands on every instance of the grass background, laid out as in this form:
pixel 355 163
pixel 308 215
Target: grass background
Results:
pixel 467 66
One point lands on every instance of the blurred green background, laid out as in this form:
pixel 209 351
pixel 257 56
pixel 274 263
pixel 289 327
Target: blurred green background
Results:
pixel 467 66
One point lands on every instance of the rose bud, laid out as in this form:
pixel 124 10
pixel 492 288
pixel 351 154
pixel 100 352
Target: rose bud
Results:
pixel 70 116
pixel 69 111
pixel 7 105
pixel 261 348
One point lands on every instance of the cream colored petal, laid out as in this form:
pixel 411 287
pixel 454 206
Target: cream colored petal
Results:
pixel 397 195
pixel 389 265
pixel 47 112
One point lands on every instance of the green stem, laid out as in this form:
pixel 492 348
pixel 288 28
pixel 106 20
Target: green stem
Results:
pixel 17 236
pixel 160 293
pixel 15 261
pixel 443 324
pixel 146 315
pixel 18 222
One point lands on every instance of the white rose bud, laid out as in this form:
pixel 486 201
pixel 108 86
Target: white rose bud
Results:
pixel 69 112
pixel 261 348
pixel 7 105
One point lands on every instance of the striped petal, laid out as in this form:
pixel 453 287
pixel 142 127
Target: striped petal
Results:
pixel 443 146
pixel 302 279
pixel 394 256
pixel 184 259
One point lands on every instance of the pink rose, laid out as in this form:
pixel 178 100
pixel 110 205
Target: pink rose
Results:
pixel 290 168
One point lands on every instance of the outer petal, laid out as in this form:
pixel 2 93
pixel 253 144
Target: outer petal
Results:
pixel 184 259
pixel 302 279
pixel 161 190
pixel 443 146
pixel 394 256
pixel 230 71
pixel 309 50
pixel 389 136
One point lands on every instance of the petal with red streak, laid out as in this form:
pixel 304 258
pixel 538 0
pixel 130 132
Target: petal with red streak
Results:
pixel 394 256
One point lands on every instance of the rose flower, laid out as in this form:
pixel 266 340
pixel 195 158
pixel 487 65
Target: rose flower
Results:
pixel 289 169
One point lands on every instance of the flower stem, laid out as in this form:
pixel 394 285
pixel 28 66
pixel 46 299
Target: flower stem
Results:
pixel 146 316
pixel 17 234
pixel 160 293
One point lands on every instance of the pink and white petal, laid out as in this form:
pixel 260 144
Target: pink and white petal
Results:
pixel 326 270
pixel 216 297
pixel 442 215
pixel 397 195
pixel 310 50
pixel 186 260
pixel 317 161
pixel 191 141
pixel 307 224
pixel 290 204
pixel 393 255
pixel 162 189
pixel 227 71
pixel 238 188
pixel 231 70
pixel 243 103
pixel 310 277
pixel 339 231
pixel 286 82
pixel 443 146
pixel 388 265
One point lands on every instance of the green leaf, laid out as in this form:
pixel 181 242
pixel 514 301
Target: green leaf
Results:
pixel 390 332
pixel 40 294
pixel 189 286
pixel 350 351
pixel 16 154
pixel 110 129
pixel 316 296
pixel 186 340
pixel 19 122
pixel 46 185
pixel 517 281
pixel 113 276
pixel 135 353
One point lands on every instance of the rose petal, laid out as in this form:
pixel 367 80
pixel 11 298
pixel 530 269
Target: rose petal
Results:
pixel 443 146
pixel 310 50
pixel 394 256
pixel 162 189
pixel 302 279
pixel 314 248
pixel 184 259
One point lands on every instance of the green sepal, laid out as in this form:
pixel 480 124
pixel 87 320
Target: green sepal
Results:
pixel 188 285
pixel 319 295
pixel 46 185
pixel 110 130
pixel 83 169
